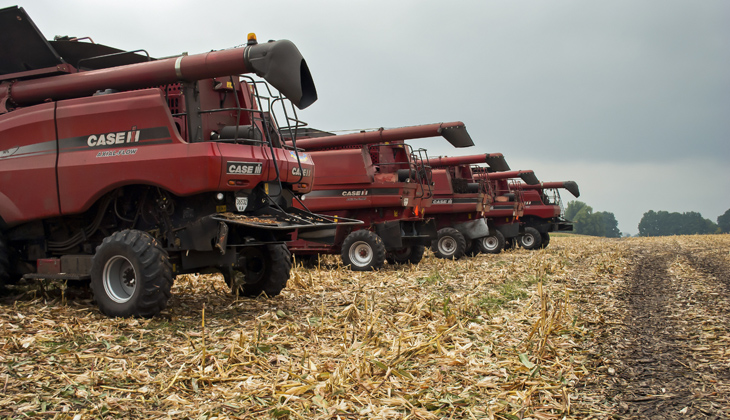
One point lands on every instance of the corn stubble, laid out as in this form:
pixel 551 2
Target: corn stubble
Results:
pixel 505 336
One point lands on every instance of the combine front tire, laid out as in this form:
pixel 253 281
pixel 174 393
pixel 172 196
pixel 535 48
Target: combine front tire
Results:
pixel 4 263
pixel 363 250
pixel 492 244
pixel 410 254
pixel 531 239
pixel 449 245
pixel 131 275
pixel 265 269
pixel 545 239
pixel 510 243
pixel 472 248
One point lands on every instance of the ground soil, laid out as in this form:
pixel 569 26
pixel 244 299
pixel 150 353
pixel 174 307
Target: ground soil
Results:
pixel 588 328
pixel 666 356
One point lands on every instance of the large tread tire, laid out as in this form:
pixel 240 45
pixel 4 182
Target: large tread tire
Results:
pixel 267 271
pixel 472 248
pixel 530 239
pixel 545 240
pixel 407 255
pixel 492 244
pixel 449 245
pixel 363 250
pixel 510 243
pixel 307 260
pixel 131 275
pixel 4 262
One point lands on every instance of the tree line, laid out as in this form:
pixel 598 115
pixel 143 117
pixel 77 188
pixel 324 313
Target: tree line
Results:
pixel 664 223
pixel 586 222
pixel 653 223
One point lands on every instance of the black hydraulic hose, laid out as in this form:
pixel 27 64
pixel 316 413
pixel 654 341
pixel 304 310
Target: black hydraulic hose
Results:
pixel 85 232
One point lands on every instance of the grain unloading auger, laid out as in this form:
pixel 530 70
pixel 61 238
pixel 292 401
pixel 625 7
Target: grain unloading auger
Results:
pixel 454 132
pixel 375 177
pixel 122 170
pixel 570 186
pixel 543 212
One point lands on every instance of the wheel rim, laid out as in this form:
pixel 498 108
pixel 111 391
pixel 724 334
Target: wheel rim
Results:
pixel 447 245
pixel 490 243
pixel 528 241
pixel 361 254
pixel 120 279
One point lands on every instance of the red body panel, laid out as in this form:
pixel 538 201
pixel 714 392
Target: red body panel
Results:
pixel 348 183
pixel 449 208
pixel 535 207
pixel 143 147
pixel 28 165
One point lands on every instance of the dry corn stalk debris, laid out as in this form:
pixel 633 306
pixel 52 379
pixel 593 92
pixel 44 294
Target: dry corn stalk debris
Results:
pixel 522 334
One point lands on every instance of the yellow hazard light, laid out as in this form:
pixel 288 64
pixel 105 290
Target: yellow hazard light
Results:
pixel 251 37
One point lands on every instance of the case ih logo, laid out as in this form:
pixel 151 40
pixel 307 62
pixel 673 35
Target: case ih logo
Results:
pixel 107 139
pixel 244 168
pixel 296 172
pixel 442 201
pixel 354 193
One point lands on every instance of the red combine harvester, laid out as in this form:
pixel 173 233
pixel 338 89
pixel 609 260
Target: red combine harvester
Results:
pixel 505 209
pixel 459 203
pixel 543 211
pixel 377 178
pixel 126 171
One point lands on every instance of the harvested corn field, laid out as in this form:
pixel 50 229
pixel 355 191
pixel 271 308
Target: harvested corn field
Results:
pixel 587 328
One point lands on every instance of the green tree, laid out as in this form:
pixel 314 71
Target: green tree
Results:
pixel 663 223
pixel 649 225
pixel 573 208
pixel 587 222
pixel 724 222
pixel 610 224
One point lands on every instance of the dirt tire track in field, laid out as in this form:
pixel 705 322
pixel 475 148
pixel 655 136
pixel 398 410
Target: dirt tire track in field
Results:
pixel 660 368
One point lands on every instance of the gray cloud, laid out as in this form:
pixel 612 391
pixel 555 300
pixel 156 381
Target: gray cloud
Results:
pixel 575 86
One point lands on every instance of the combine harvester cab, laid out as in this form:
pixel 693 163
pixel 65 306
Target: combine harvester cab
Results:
pixel 126 171
pixel 377 178
pixel 544 210
pixel 506 207
pixel 459 203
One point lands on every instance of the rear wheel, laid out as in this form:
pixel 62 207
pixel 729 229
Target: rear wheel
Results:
pixel 131 275
pixel 409 254
pixel 531 239
pixel 4 262
pixel 545 239
pixel 262 269
pixel 307 260
pixel 492 244
pixel 472 248
pixel 449 245
pixel 510 243
pixel 363 250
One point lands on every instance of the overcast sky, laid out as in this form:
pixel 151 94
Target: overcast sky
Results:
pixel 631 99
